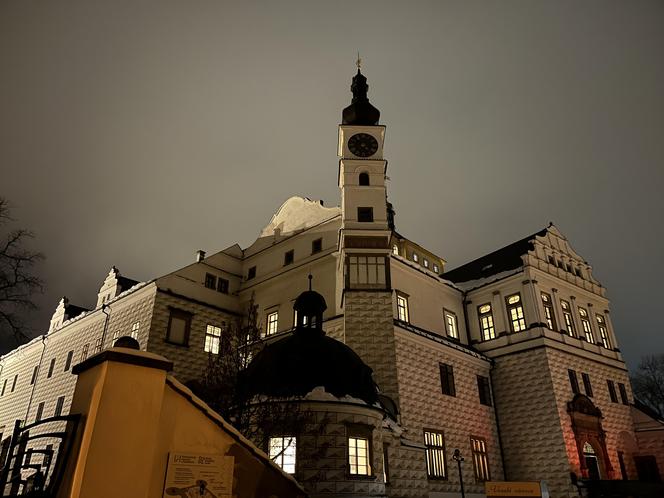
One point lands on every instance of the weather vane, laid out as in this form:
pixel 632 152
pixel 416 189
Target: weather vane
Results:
pixel 359 61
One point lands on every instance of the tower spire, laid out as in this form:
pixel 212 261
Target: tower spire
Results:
pixel 360 111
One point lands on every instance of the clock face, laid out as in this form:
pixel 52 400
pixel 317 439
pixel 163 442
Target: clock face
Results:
pixel 362 145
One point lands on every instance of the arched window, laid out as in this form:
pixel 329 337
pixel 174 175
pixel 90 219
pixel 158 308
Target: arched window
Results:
pixel 364 179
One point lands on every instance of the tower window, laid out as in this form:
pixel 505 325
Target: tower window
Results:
pixel 612 391
pixel 585 324
pixel 212 339
pixel 603 331
pixel 447 379
pixel 480 459
pixel 316 246
pixel 366 272
pixel 272 323
pixel 402 308
pixel 487 329
pixel 451 324
pixel 210 281
pixel 623 393
pixel 364 179
pixel 567 316
pixel 365 214
pixel 515 312
pixel 283 452
pixel 435 454
pixel 548 311
pixel 289 257
pixel 358 456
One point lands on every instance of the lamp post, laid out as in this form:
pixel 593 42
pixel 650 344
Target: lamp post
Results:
pixel 457 456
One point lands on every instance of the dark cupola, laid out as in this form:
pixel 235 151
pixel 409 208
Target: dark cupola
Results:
pixel 297 364
pixel 360 111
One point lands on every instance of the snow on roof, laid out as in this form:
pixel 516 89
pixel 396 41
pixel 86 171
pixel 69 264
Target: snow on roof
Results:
pixel 298 213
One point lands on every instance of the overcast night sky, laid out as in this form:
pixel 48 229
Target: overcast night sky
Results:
pixel 134 133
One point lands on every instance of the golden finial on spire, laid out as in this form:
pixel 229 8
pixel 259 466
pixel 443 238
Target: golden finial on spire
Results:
pixel 358 63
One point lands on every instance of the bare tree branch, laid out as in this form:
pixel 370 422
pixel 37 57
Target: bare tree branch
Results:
pixel 648 382
pixel 18 284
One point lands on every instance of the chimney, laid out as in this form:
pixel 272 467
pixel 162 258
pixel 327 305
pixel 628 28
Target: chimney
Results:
pixel 200 255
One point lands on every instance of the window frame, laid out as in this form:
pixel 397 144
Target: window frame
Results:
pixel 611 386
pixel 435 453
pixel 603 330
pixel 484 390
pixel 58 406
pixel 70 356
pixel 51 368
pixel 520 317
pixel 623 394
pixel 14 382
pixel 212 339
pixel 251 273
pixel 35 373
pixel 365 214
pixel 283 452
pixel 269 323
pixel 573 381
pixel 489 322
pixel 317 245
pixel 40 411
pixel 223 285
pixel 365 433
pixel 447 384
pixel 210 281
pixel 183 315
pixel 455 325
pixel 289 257
pixel 480 456
pixel 549 311
pixel 568 317
pixel 403 308
pixel 587 385
pixel 586 326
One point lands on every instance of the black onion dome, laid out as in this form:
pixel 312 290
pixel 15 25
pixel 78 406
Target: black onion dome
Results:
pixel 310 302
pixel 360 111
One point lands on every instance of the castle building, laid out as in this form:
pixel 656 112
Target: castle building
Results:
pixel 511 358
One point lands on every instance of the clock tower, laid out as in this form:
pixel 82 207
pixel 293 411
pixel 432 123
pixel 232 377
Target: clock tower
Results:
pixel 363 274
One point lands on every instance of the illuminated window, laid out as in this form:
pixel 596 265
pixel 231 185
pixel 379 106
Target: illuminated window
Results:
pixel 515 313
pixel 447 379
pixel 567 316
pixel 484 389
pixel 283 452
pixel 487 329
pixel 210 281
pixel 212 339
pixel 585 324
pixel 425 262
pixel 365 214
pixel 402 308
pixel 480 459
pixel 179 325
pixel 612 391
pixel 358 456
pixel 272 323
pixel 549 314
pixel 623 393
pixel 366 272
pixel 416 258
pixel 395 249
pixel 58 406
pixel 451 324
pixel 603 331
pixel 289 257
pixel 436 269
pixel 435 454
pixel 587 385
pixel 135 327
pixel 316 246
pixel 70 355
pixel 573 381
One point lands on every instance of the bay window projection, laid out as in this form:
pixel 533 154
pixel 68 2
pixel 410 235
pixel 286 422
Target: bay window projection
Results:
pixel 515 313
pixel 272 323
pixel 603 331
pixel 480 459
pixel 366 272
pixel 451 324
pixel 567 316
pixel 212 339
pixel 549 314
pixel 585 324
pixel 283 452
pixel 358 456
pixel 487 329
pixel 402 308
pixel 435 454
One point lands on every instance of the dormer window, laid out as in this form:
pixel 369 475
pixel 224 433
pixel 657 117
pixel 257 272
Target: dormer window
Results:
pixel 364 179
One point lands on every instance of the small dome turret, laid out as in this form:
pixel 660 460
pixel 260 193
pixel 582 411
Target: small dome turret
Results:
pixel 360 111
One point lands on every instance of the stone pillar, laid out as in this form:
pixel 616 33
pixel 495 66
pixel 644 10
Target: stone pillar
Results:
pixel 499 314
pixel 116 442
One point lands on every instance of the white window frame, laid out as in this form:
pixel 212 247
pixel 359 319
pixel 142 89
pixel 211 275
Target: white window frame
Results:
pixel 403 313
pixel 212 339
pixel 435 454
pixel 135 327
pixel 272 323
pixel 451 324
pixel 283 451
pixel 487 326
pixel 515 312
pixel 359 456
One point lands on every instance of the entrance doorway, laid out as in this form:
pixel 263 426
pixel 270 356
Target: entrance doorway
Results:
pixel 592 464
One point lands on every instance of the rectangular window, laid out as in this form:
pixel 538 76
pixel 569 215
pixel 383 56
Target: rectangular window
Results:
pixel 623 393
pixel 612 391
pixel 365 214
pixel 515 313
pixel 484 389
pixel 35 371
pixel 58 406
pixel 567 316
pixel 480 459
pixel 98 345
pixel 549 314
pixel 436 269
pixel 222 285
pixel 179 325
pixel 451 324
pixel 316 246
pixel 573 381
pixel 70 355
pixel 212 339
pixel 289 257
pixel 50 368
pixel 402 308
pixel 425 263
pixel 84 351
pixel 40 412
pixel 251 273
pixel 447 379
pixel 4 387
pixel 14 383
pixel 358 456
pixel 283 452
pixel 272 323
pixel 603 331
pixel 487 329
pixel 135 327
pixel 435 454
pixel 586 385
pixel 585 324
pixel 366 272
pixel 210 281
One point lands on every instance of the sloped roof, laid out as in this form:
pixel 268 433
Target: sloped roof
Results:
pixel 502 260
pixel 298 213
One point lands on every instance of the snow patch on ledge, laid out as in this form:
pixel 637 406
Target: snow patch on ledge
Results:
pixel 474 284
pixel 297 214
